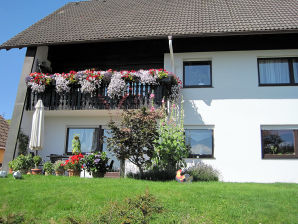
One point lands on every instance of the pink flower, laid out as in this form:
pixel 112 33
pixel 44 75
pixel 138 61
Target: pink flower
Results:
pixel 174 105
pixel 152 109
pixel 163 100
pixel 151 95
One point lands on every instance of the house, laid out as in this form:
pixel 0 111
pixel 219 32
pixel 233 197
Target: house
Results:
pixel 238 61
pixel 3 136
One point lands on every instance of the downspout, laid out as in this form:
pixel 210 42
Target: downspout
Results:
pixel 171 53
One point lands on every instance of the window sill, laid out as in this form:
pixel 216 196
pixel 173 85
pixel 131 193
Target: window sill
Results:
pixel 277 85
pixel 276 156
pixel 188 87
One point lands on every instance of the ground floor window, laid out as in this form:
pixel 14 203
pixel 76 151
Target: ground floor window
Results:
pixel 280 143
pixel 92 140
pixel 89 138
pixel 201 142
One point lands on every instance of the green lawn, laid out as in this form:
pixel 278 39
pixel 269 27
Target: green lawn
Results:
pixel 50 199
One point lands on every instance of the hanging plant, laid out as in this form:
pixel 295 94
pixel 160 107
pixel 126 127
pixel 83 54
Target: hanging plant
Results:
pixel 90 80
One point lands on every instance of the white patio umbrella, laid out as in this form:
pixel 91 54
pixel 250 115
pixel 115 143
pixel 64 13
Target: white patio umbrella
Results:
pixel 37 131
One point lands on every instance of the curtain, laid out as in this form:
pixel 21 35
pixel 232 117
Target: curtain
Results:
pixel 295 69
pixel 274 71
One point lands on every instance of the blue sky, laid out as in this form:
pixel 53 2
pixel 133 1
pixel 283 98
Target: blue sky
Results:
pixel 15 16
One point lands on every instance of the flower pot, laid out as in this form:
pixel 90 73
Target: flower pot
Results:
pixel 97 174
pixel 10 170
pixel 36 171
pixel 59 172
pixel 73 173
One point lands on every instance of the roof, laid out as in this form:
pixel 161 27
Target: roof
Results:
pixel 111 20
pixel 3 131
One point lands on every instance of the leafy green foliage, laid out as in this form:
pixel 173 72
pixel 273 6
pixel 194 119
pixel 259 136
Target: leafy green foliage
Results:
pixel 203 172
pixel 37 160
pixel 59 165
pixel 23 163
pixel 171 148
pixel 23 142
pixel 154 174
pixel 96 163
pixel 135 138
pixel 132 210
pixel 48 167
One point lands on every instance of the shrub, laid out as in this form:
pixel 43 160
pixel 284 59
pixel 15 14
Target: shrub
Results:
pixel 23 163
pixel 37 160
pixel 132 210
pixel 59 165
pixel 203 172
pixel 171 148
pixel 154 174
pixel 48 167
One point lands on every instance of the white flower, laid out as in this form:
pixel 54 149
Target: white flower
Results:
pixel 37 87
pixel 116 86
pixel 62 85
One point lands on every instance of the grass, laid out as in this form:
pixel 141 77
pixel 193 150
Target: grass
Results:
pixel 51 199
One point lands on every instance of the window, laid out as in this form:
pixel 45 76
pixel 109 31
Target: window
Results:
pixel 201 142
pixel 280 143
pixel 89 138
pixel 278 71
pixel 197 74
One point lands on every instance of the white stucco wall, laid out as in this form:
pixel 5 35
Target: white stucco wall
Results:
pixel 237 107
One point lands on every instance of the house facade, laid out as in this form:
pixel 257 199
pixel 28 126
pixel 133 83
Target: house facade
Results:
pixel 239 72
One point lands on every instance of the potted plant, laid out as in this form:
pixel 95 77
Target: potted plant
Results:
pixel 59 168
pixel 37 160
pixel 74 165
pixel 48 168
pixel 23 163
pixel 96 164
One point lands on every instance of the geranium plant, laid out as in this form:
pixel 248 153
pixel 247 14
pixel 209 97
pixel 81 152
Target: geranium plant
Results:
pixel 90 80
pixel 74 162
pixel 96 163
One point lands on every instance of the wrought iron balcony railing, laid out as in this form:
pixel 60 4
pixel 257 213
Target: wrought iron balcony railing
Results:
pixel 135 96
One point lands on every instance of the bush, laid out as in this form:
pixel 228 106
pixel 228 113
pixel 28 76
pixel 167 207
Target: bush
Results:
pixel 154 174
pixel 23 163
pixel 37 160
pixel 59 166
pixel 132 210
pixel 203 172
pixel 48 167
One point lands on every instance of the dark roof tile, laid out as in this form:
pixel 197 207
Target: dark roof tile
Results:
pixel 119 19
pixel 3 131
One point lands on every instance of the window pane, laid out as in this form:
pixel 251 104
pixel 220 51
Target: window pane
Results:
pixel 278 141
pixel 89 138
pixel 295 69
pixel 116 164
pixel 274 71
pixel 197 74
pixel 200 141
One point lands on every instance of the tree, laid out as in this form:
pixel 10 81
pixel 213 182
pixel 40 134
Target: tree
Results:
pixel 135 137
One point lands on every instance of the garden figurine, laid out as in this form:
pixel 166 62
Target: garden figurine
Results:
pixel 76 145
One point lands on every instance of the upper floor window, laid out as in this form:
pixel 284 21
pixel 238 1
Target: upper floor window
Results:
pixel 201 142
pixel 278 71
pixel 280 143
pixel 197 74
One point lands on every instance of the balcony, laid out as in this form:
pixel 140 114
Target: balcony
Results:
pixel 135 95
